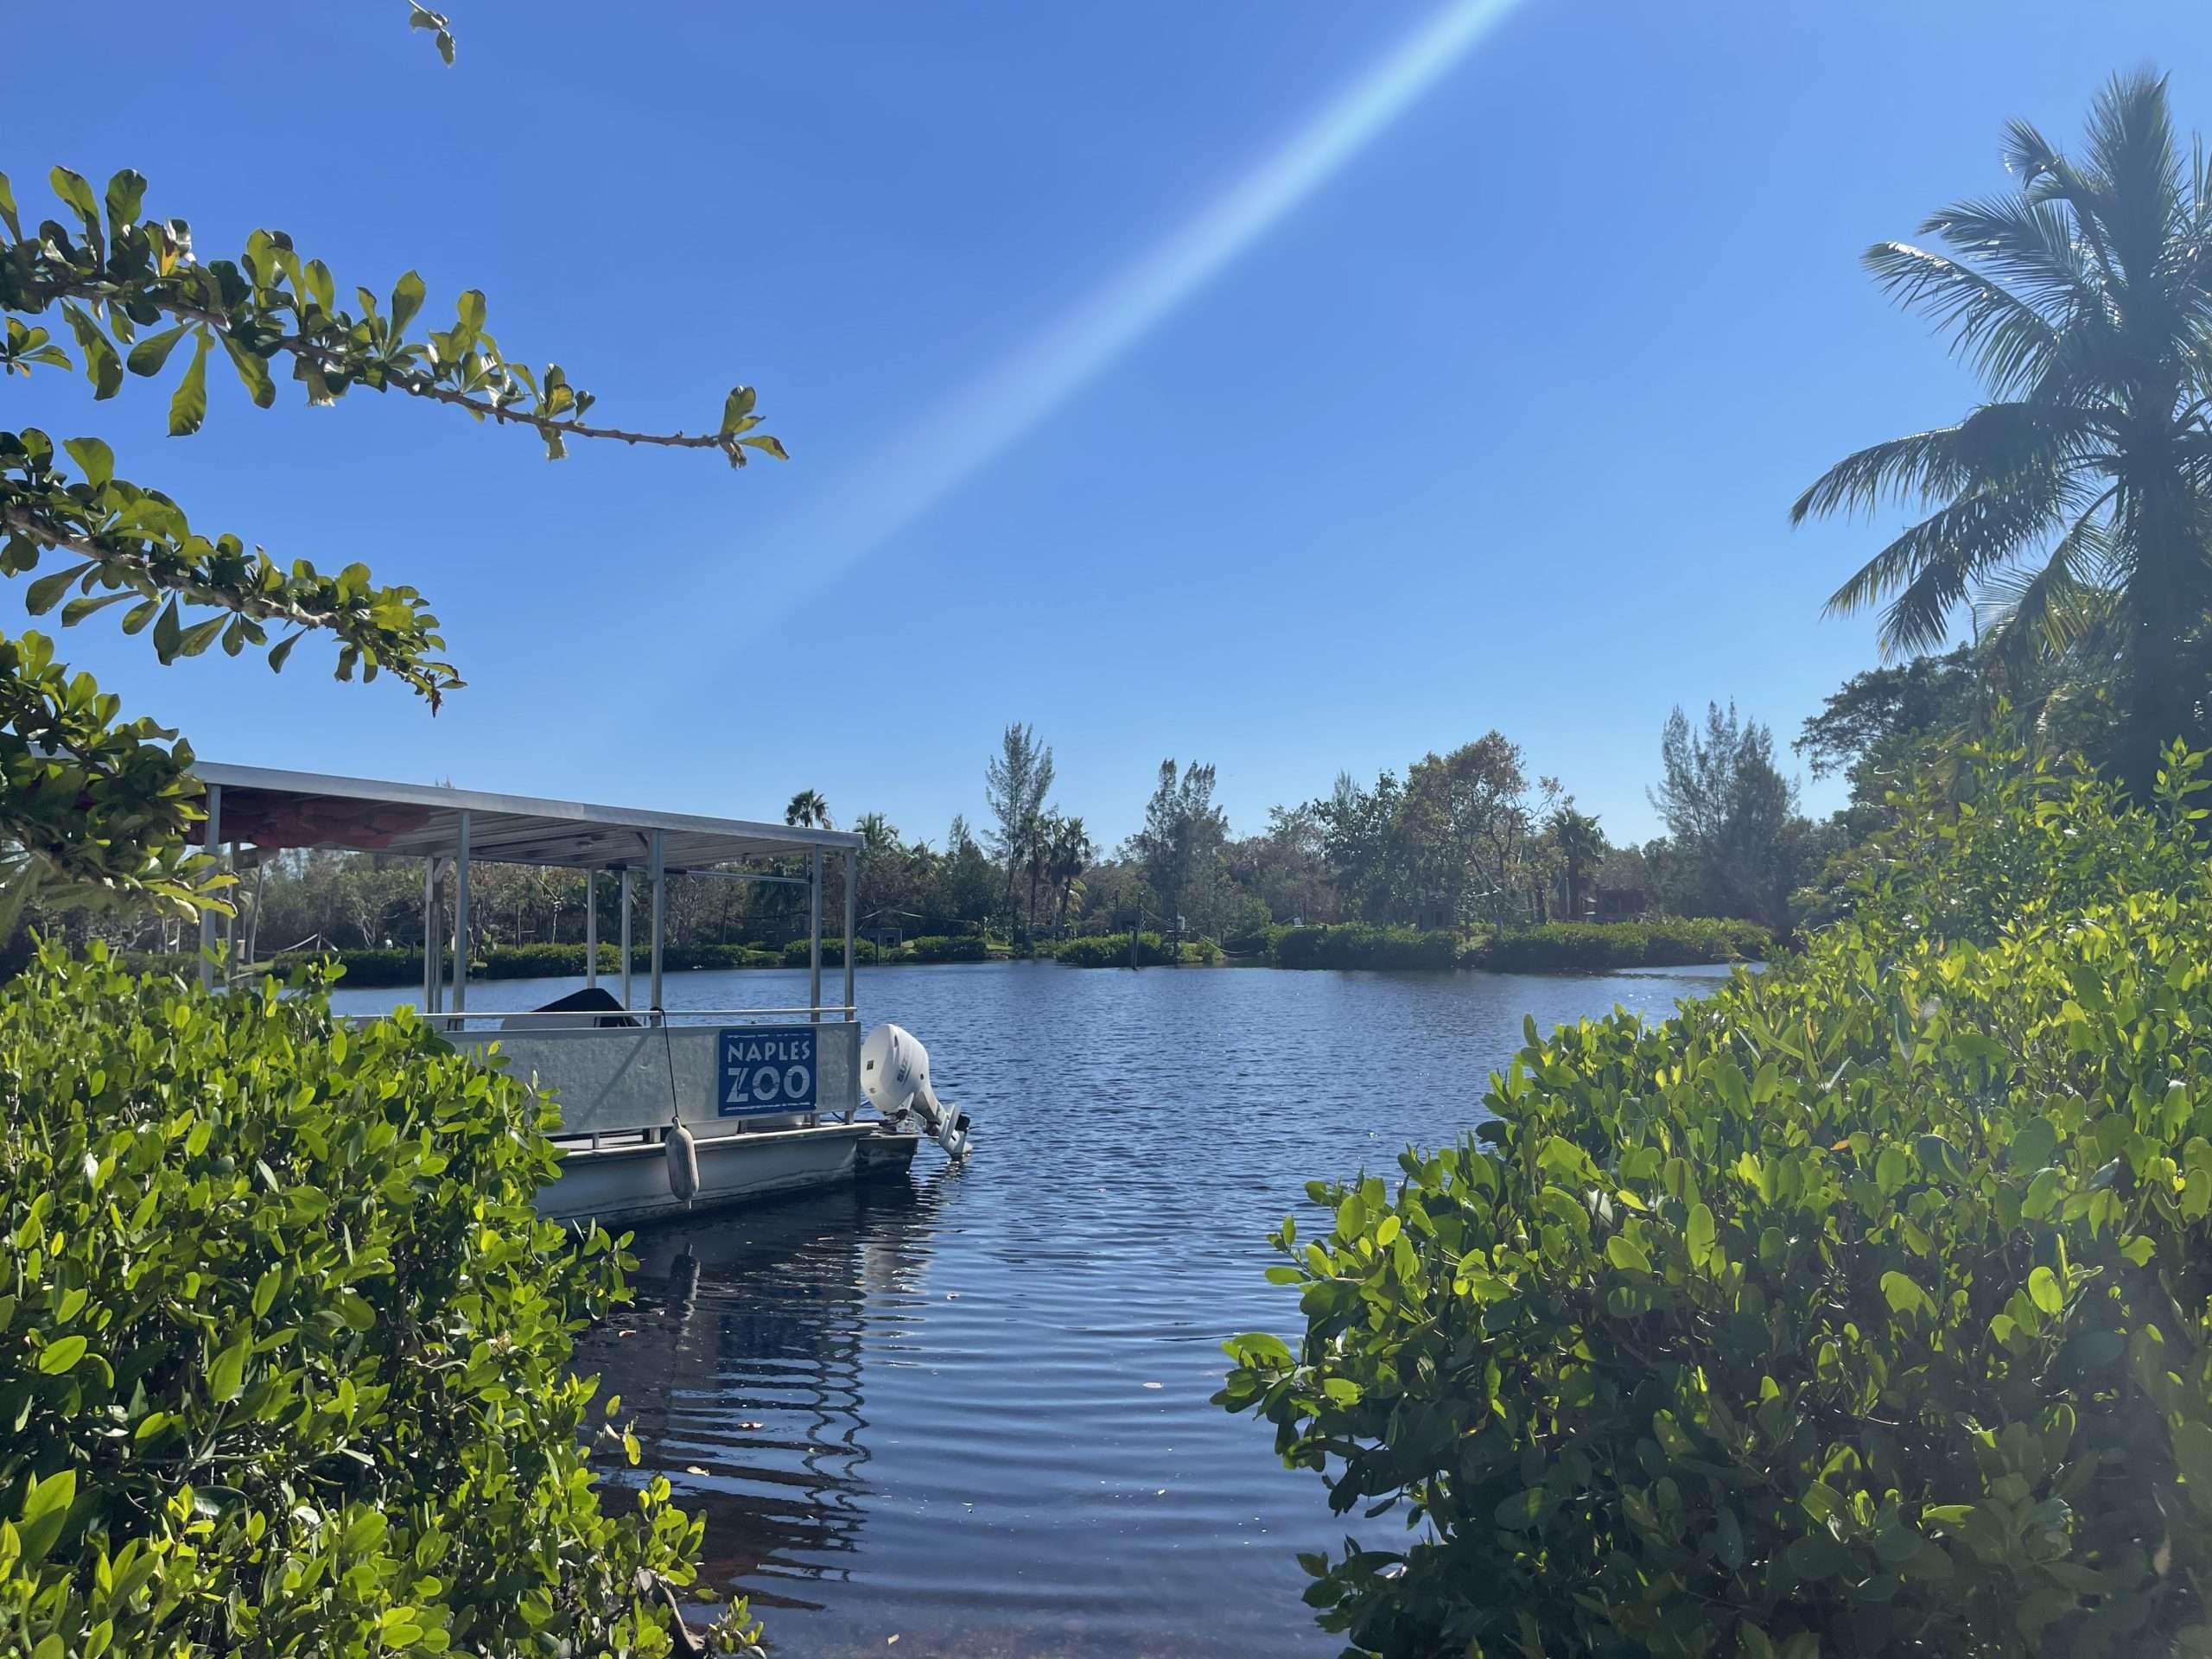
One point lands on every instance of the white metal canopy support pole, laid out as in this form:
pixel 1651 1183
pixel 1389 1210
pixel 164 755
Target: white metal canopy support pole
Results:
pixel 460 920
pixel 852 885
pixel 591 928
pixel 626 937
pixel 660 907
pixel 430 971
pixel 814 938
pixel 211 841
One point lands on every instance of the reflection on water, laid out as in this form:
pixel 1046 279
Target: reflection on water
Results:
pixel 970 1410
pixel 740 1367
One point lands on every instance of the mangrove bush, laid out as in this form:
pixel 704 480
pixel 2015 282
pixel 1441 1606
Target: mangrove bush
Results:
pixel 283 1343
pixel 1863 1307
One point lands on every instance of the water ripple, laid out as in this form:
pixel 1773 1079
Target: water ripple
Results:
pixel 971 1410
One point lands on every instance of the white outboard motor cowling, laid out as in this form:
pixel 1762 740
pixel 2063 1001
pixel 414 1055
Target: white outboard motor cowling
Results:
pixel 895 1077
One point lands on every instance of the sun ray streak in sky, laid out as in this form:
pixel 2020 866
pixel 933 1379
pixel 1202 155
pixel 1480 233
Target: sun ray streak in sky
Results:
pixel 980 421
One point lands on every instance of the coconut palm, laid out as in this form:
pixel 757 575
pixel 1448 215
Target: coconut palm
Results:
pixel 1070 856
pixel 876 833
pixel 2076 497
pixel 1580 844
pixel 808 811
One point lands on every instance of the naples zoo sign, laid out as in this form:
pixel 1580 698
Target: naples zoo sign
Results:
pixel 764 1069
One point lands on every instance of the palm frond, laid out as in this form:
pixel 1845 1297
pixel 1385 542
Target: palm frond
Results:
pixel 1999 445
pixel 2136 173
pixel 2052 607
pixel 2031 439
pixel 2027 152
pixel 1922 465
pixel 1930 566
pixel 2028 245
pixel 2009 341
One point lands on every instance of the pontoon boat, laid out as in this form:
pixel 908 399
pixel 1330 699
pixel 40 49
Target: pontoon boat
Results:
pixel 661 1111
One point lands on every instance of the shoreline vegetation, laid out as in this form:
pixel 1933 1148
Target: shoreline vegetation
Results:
pixel 1554 948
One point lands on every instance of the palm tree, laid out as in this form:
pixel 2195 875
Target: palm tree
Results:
pixel 876 833
pixel 808 811
pixel 1581 843
pixel 1037 855
pixel 1070 856
pixel 2076 497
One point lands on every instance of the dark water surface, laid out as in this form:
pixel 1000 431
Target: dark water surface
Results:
pixel 970 1410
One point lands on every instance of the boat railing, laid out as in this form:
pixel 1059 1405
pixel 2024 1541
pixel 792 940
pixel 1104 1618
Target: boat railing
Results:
pixel 622 1019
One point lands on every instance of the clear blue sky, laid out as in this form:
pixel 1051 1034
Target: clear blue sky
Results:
pixel 1127 393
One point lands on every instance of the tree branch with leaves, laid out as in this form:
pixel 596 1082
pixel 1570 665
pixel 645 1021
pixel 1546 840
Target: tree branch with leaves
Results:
pixel 129 292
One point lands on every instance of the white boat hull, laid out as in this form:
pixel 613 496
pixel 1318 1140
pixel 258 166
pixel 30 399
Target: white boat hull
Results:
pixel 626 1182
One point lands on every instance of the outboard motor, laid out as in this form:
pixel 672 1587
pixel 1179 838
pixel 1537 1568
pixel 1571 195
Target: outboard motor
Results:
pixel 895 1077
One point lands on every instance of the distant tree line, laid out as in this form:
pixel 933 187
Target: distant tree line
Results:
pixel 1463 839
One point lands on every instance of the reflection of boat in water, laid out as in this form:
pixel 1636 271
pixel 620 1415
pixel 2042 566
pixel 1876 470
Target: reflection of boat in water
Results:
pixel 740 1368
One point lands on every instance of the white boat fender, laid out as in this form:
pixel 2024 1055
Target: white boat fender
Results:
pixel 683 1164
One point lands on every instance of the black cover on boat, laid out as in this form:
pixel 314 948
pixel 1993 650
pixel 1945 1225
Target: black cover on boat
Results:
pixel 593 999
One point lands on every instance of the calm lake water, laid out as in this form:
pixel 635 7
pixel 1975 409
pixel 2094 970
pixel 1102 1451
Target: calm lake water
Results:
pixel 970 1410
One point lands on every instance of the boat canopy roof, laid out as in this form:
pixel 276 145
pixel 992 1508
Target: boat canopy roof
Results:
pixel 273 810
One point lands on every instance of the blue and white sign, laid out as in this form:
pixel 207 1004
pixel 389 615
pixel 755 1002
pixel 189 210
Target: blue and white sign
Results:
pixel 760 1069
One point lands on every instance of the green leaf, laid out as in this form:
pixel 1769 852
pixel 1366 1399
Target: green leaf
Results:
pixel 253 373
pixel 766 445
pixel 45 594
pixel 1700 1232
pixel 102 366
pixel 1522 1510
pixel 46 1507
pixel 58 1357
pixel 148 356
pixel 188 404
pixel 93 458
pixel 2033 1143
pixel 77 191
pixel 736 407
pixel 126 195
pixel 168 631
pixel 7 214
pixel 2042 1193
pixel 1626 1255
pixel 86 603
pixel 201 635
pixel 2193 1456
pixel 2044 1291
pixel 1386 1233
pixel 1255 1347
pixel 226 1376
pixel 1904 1296
pixel 471 309
pixel 406 301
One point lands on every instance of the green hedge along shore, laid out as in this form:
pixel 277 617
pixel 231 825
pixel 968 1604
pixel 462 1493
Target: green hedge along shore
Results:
pixel 1560 948
pixel 378 968
pixel 1863 1307
pixel 1556 948
pixel 284 1345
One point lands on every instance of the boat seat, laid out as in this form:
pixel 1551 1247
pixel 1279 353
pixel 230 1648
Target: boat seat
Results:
pixel 593 999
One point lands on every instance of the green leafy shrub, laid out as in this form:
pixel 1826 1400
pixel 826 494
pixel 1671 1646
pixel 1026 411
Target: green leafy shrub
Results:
pixel 283 1343
pixel 1112 950
pixel 1862 1308
pixel 541 961
pixel 800 952
pixel 1359 944
pixel 972 947
pixel 1596 947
